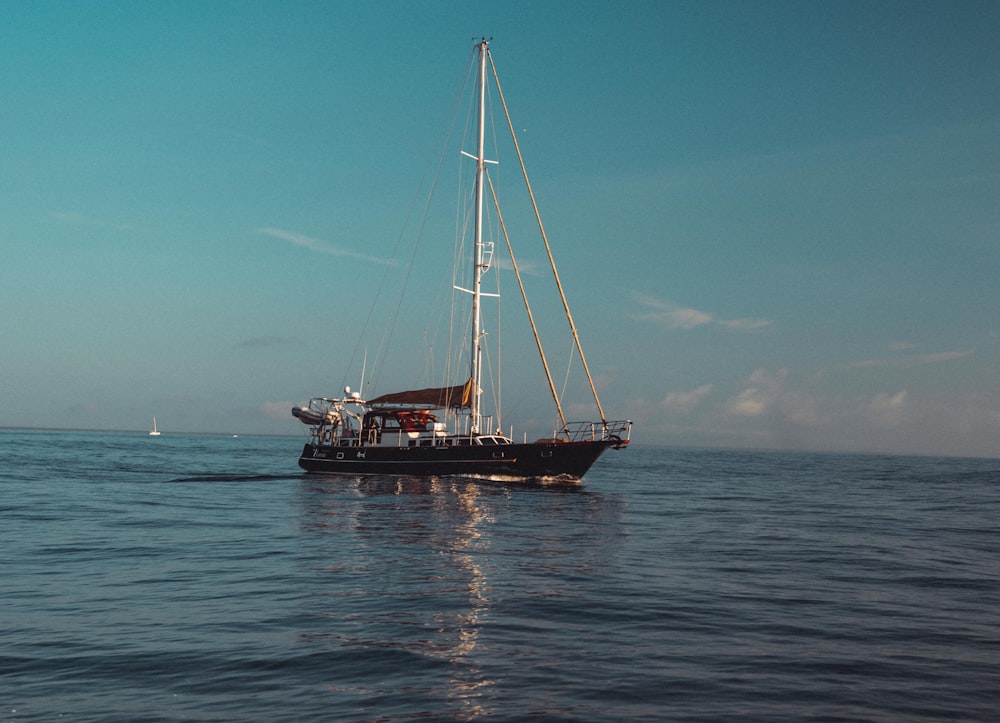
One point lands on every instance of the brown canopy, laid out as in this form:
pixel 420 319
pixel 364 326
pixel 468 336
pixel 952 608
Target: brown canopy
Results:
pixel 437 398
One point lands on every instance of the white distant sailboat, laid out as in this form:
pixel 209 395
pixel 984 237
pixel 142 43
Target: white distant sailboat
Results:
pixel 154 432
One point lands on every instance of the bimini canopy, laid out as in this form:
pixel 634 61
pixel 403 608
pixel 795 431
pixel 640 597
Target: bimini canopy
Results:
pixel 437 398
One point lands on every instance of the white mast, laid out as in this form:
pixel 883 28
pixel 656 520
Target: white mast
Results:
pixel 479 268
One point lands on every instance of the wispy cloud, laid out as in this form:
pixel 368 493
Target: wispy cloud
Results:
pixel 526 267
pixel 941 356
pixel 911 360
pixel 745 324
pixel 863 363
pixel 79 219
pixel 681 318
pixel 673 316
pixel 264 341
pixel 319 246
pixel 670 315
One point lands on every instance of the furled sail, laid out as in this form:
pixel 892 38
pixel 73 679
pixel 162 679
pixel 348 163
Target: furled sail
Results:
pixel 459 396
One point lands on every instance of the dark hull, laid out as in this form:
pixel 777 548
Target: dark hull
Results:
pixel 567 461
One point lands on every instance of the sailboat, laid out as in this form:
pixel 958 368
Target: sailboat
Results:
pixel 154 432
pixel 439 431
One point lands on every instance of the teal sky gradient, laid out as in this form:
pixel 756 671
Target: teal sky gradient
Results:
pixel 778 221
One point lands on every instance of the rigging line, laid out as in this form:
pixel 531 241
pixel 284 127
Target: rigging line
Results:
pixel 453 356
pixel 498 375
pixel 548 249
pixel 463 211
pixel 465 208
pixel 492 377
pixel 527 306
pixel 494 373
pixel 444 134
pixel 424 215
pixel 494 370
pixel 569 366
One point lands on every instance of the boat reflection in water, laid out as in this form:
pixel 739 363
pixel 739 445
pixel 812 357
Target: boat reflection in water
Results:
pixel 441 586
pixel 407 574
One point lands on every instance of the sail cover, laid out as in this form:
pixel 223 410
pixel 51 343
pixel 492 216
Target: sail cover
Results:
pixel 439 398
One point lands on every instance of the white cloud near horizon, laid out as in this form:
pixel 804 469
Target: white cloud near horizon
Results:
pixel 887 409
pixel 319 246
pixel 760 393
pixel 686 402
pixel 278 410
pixel 771 394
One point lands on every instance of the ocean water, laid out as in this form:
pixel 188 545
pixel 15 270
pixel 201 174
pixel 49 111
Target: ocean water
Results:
pixel 207 578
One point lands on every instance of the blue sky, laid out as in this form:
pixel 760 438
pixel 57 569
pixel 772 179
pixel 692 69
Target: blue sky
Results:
pixel 777 221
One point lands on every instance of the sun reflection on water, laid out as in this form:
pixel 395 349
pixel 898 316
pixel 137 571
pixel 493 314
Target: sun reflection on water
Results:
pixel 434 596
